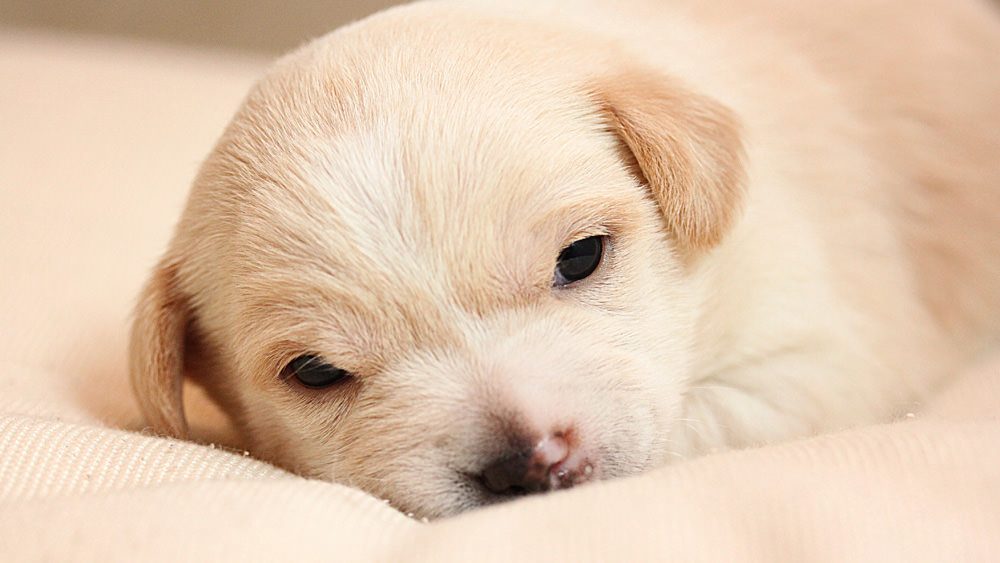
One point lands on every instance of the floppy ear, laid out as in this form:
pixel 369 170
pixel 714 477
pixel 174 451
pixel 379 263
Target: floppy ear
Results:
pixel 156 354
pixel 688 150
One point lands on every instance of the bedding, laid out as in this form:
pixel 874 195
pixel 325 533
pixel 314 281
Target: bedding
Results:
pixel 99 140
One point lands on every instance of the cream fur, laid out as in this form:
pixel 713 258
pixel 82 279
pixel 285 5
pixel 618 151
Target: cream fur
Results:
pixel 802 204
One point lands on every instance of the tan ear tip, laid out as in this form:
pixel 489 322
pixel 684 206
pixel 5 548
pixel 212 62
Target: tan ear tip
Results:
pixel 161 409
pixel 171 429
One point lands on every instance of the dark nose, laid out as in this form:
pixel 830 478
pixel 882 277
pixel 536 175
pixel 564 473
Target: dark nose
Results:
pixel 552 463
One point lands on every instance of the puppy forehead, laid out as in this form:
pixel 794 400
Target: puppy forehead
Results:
pixel 400 168
pixel 469 217
pixel 380 188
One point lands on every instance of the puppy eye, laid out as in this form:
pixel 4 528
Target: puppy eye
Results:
pixel 579 260
pixel 313 372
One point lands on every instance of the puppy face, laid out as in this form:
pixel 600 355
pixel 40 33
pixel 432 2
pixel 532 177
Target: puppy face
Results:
pixel 444 271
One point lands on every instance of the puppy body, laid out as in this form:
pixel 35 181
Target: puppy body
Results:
pixel 801 214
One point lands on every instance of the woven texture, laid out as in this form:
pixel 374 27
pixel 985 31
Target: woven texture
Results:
pixel 98 141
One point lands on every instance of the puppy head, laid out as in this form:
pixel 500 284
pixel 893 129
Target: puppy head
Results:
pixel 445 271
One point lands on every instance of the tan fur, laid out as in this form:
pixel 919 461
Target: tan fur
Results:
pixel 157 346
pixel 801 206
pixel 688 150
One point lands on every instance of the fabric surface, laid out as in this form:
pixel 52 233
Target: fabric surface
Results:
pixel 98 142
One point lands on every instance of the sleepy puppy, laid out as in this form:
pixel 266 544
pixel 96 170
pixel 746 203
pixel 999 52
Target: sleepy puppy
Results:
pixel 460 252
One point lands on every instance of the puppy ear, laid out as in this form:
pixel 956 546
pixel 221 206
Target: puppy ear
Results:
pixel 156 355
pixel 687 148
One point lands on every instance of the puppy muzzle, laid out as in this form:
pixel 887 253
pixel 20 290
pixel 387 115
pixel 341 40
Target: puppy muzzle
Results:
pixel 554 462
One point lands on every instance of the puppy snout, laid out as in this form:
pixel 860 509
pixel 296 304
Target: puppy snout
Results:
pixel 552 463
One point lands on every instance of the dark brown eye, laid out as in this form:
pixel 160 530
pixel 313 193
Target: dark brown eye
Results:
pixel 314 372
pixel 579 260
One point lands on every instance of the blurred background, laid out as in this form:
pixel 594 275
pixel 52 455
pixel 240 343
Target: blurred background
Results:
pixel 267 27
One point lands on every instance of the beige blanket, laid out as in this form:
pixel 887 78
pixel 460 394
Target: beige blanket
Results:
pixel 98 141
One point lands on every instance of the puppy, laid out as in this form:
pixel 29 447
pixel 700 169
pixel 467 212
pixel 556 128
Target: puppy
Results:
pixel 459 252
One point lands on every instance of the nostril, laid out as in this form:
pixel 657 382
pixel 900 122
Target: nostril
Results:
pixel 552 463
pixel 547 454
pixel 506 475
